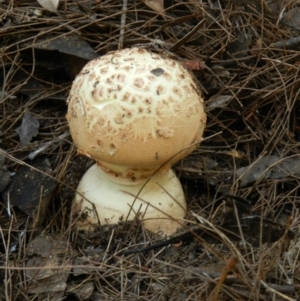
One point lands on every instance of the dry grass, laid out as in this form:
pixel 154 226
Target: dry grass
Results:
pixel 232 248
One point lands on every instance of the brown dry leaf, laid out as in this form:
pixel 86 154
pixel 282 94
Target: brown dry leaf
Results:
pixel 49 265
pixel 156 5
pixel 236 154
pixel 50 5
pixel 194 64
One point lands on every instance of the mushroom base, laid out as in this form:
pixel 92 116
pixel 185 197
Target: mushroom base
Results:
pixel 160 204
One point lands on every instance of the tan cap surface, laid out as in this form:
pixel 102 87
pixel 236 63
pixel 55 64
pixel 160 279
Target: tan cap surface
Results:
pixel 135 108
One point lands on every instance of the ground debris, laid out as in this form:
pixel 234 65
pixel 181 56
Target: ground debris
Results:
pixel 49 264
pixel 241 183
pixel 28 129
pixel 269 167
pixel 31 190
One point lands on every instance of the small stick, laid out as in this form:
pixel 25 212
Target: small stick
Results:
pixel 230 264
pixel 123 23
pixel 45 145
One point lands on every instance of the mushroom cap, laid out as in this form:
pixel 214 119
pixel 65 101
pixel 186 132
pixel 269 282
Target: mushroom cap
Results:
pixel 135 108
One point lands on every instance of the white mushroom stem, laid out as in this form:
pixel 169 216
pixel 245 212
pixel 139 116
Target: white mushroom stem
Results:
pixel 160 199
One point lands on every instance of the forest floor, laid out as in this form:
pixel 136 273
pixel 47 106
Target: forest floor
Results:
pixel 240 240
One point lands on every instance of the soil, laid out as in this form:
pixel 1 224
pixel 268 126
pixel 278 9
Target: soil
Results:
pixel 240 239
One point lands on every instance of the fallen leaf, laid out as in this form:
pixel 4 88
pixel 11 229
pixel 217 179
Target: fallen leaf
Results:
pixel 83 291
pixel 194 64
pixel 269 167
pixel 28 129
pixel 71 44
pixel 156 5
pixel 50 5
pixel 240 47
pixel 218 101
pixel 48 266
pixel 31 190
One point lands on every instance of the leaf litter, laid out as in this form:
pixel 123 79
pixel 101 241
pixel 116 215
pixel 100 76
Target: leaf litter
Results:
pixel 241 184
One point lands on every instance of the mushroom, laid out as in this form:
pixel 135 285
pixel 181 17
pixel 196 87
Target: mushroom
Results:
pixel 135 112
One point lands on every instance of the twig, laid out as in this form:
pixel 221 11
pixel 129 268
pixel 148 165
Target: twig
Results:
pixel 230 265
pixel 123 23
pixel 230 279
pixel 45 145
